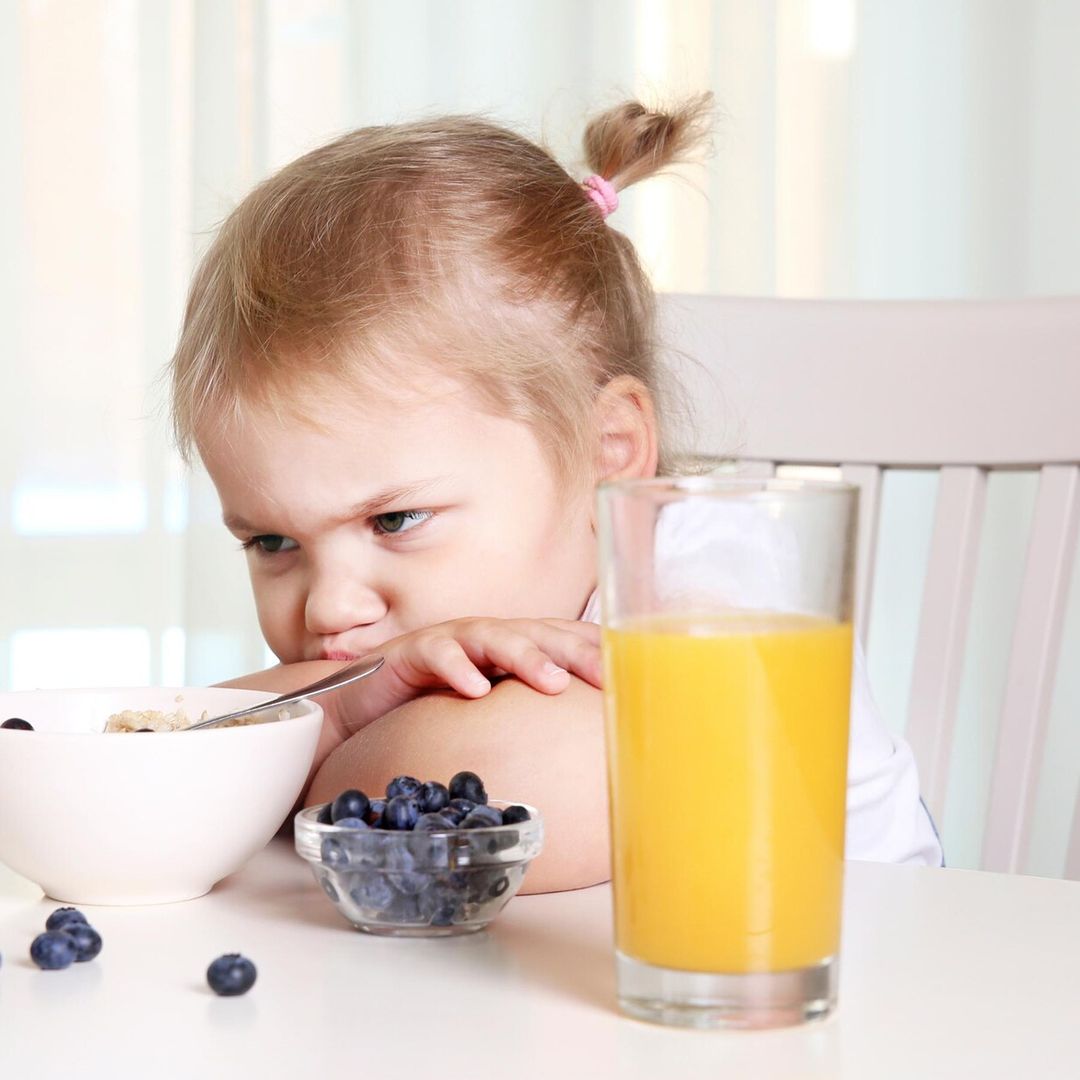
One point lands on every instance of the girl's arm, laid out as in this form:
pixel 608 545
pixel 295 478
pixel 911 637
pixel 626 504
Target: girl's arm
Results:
pixel 287 677
pixel 459 655
pixel 526 746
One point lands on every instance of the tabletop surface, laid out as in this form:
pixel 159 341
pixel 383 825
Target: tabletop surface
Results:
pixel 943 973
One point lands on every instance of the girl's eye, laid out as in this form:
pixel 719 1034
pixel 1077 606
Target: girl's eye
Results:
pixel 271 543
pixel 402 521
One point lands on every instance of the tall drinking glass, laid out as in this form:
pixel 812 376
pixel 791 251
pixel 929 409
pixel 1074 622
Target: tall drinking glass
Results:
pixel 727 666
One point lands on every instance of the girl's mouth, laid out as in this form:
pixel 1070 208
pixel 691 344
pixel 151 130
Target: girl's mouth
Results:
pixel 337 654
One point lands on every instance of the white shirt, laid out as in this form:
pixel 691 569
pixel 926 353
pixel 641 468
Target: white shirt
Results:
pixel 887 820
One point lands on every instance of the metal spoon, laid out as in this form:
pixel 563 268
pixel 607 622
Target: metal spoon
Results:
pixel 359 669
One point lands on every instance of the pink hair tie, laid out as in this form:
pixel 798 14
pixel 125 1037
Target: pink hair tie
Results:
pixel 602 192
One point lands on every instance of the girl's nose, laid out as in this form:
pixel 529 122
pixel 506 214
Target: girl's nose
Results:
pixel 337 603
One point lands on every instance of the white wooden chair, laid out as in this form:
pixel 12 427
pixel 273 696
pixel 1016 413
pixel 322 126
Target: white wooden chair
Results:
pixel 962 386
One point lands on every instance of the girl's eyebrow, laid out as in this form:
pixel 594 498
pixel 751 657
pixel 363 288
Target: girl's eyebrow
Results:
pixel 403 493
pixel 406 493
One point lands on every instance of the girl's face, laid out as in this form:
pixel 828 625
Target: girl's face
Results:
pixel 404 512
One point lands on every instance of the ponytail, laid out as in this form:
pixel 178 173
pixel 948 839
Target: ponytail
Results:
pixel 629 142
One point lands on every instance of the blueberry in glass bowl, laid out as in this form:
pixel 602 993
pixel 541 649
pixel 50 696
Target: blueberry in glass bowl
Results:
pixel 435 879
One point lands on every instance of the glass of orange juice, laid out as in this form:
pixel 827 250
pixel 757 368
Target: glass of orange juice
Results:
pixel 727 645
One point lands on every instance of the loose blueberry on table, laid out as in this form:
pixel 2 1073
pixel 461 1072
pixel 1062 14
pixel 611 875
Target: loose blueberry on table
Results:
pixel 62 916
pixel 87 941
pixel 68 939
pixel 17 724
pixel 230 975
pixel 53 951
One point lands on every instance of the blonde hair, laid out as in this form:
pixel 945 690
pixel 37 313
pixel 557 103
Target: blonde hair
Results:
pixel 451 238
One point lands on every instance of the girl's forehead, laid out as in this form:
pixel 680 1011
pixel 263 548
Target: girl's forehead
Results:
pixel 395 433
pixel 337 407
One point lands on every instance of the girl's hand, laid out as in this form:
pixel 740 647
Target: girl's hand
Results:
pixel 463 654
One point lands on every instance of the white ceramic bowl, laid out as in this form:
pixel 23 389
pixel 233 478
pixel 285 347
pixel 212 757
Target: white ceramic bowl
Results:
pixel 143 818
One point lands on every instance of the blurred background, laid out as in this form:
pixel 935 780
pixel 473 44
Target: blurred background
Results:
pixel 866 149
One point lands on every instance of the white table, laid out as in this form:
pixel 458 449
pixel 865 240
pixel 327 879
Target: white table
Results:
pixel 944 973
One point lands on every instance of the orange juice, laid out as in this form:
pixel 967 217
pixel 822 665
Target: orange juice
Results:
pixel 727 760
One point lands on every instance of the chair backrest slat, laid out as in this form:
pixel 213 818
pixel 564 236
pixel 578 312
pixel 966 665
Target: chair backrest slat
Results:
pixel 868 480
pixel 757 470
pixel 1072 854
pixel 1029 686
pixel 943 624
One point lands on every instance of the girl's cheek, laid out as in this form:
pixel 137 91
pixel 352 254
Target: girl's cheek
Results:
pixel 280 602
pixel 281 619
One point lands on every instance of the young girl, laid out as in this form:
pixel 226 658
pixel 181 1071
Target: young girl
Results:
pixel 406 362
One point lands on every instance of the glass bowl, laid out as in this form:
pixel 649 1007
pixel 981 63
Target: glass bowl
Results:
pixel 419 884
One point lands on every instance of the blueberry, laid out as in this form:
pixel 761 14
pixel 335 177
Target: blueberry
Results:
pixel 325 817
pixel 372 891
pixel 410 884
pixel 439 903
pixel 514 815
pixel 373 850
pixel 433 797
pixel 333 853
pixel 499 887
pixel 403 785
pixel 400 864
pixel 87 940
pixel 431 845
pixel 481 882
pixel 352 823
pixel 399 857
pixel 374 815
pixel 53 950
pixel 467 785
pixel 230 975
pixel 62 916
pixel 15 724
pixel 404 908
pixel 401 813
pixel 461 808
pixel 351 803
pixel 433 823
pixel 328 888
pixel 483 817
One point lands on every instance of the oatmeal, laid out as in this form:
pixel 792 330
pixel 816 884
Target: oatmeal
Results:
pixel 155 720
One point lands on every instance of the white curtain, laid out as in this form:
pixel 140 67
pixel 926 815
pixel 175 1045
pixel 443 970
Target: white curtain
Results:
pixel 865 149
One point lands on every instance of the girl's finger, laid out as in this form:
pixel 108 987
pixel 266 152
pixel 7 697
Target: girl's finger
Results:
pixel 573 646
pixel 440 659
pixel 587 630
pixel 536 658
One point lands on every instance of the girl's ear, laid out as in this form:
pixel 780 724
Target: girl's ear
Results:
pixel 626 423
